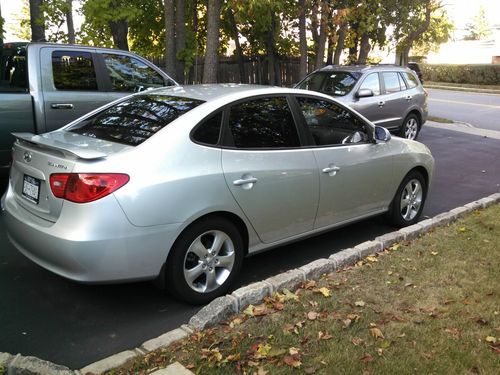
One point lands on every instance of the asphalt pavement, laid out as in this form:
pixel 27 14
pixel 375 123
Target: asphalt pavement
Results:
pixel 71 324
pixel 477 109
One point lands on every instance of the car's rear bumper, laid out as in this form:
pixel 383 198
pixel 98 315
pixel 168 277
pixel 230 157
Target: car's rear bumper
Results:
pixel 98 249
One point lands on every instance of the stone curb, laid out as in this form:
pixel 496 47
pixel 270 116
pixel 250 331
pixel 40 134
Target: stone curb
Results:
pixel 222 308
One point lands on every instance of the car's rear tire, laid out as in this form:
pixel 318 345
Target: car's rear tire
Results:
pixel 410 127
pixel 204 260
pixel 408 203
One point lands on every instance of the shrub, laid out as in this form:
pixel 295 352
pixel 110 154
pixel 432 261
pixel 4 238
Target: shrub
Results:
pixel 477 74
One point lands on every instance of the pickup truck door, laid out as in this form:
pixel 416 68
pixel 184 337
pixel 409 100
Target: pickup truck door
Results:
pixel 71 86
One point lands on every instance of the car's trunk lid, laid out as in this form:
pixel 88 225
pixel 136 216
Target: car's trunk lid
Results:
pixel 36 157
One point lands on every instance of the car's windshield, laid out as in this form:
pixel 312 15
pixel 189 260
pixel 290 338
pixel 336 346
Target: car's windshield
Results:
pixel 331 83
pixel 134 120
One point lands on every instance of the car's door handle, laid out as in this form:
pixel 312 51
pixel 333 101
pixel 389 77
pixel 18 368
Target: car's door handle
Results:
pixel 244 181
pixel 408 98
pixel 61 106
pixel 332 170
pixel 381 103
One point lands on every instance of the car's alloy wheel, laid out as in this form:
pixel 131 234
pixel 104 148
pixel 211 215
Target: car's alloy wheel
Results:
pixel 204 260
pixel 411 127
pixel 408 203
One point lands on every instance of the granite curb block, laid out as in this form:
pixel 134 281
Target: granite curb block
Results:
pixel 223 307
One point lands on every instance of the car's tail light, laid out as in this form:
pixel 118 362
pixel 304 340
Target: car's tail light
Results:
pixel 86 187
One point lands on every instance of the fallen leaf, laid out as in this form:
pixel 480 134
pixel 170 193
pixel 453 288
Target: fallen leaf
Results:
pixel 462 229
pixel 380 352
pixel 376 333
pixel 385 344
pixel 278 306
pixel 371 258
pixel 353 317
pixel 395 247
pixel 325 291
pixel 357 341
pixel 366 358
pixel 253 363
pixel 408 284
pixel 309 284
pixel 293 351
pixel 260 310
pixel 235 322
pixel 434 253
pixel 324 335
pixel 490 339
pixel 347 322
pixel 289 296
pixel 263 350
pixel 481 321
pixel 360 303
pixel 249 310
pixel 313 303
pixel 292 361
pixel 189 366
pixel 312 315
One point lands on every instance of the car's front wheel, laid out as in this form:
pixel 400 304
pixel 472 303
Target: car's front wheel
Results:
pixel 411 127
pixel 204 261
pixel 409 200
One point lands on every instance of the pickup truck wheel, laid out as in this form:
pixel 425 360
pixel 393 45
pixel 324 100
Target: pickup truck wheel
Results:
pixel 410 128
pixel 408 203
pixel 204 261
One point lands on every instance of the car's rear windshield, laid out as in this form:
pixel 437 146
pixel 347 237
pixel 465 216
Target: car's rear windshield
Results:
pixel 136 119
pixel 331 83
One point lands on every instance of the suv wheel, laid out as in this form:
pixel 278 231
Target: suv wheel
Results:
pixel 410 128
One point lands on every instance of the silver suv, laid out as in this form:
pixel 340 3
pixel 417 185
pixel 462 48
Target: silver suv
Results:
pixel 387 95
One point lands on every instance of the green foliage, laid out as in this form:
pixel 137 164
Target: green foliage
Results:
pixel 478 29
pixel 22 30
pixel 483 74
pixel 438 32
pixel 55 17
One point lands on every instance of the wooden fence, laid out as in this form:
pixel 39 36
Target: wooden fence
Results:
pixel 256 70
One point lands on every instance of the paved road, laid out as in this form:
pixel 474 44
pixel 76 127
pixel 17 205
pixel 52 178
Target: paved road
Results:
pixel 481 110
pixel 52 318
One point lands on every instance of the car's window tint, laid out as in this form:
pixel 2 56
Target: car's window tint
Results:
pixel 73 70
pixel 263 123
pixel 372 82
pixel 330 124
pixel 412 81
pixel 13 73
pixel 208 131
pixel 136 119
pixel 313 82
pixel 130 74
pixel 391 82
pixel 339 83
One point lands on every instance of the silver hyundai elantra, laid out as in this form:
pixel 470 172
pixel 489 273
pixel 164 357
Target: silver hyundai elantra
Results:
pixel 180 184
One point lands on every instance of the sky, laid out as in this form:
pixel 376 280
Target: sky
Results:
pixel 459 11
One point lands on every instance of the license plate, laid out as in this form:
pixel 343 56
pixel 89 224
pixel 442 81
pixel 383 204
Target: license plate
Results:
pixel 31 188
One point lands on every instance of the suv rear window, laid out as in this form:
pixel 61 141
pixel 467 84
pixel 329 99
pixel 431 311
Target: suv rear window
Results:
pixel 136 119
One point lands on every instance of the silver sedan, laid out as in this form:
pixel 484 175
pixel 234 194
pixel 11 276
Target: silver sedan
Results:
pixel 180 184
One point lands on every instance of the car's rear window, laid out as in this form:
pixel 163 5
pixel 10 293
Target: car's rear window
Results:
pixel 134 120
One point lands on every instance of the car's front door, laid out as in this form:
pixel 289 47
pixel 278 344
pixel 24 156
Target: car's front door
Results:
pixel 355 173
pixel 273 180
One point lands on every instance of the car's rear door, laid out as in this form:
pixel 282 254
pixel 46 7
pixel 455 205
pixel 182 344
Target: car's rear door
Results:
pixel 273 179
pixel 397 100
pixel 355 173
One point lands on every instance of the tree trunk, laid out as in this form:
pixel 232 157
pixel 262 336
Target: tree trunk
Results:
pixel 331 44
pixel 364 49
pixel 119 32
pixel 340 43
pixel 69 22
pixel 271 51
pixel 169 38
pixel 302 39
pixel 180 38
pixel 238 51
pixel 212 47
pixel 36 21
pixel 323 30
pixel 314 29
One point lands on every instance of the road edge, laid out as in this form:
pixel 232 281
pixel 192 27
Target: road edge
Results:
pixel 223 307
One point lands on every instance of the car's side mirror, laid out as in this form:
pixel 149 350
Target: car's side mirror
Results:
pixel 364 93
pixel 382 134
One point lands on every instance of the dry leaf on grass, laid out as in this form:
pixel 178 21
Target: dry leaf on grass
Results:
pixel 376 333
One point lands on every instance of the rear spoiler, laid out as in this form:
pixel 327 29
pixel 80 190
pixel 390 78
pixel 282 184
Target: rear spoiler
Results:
pixel 55 144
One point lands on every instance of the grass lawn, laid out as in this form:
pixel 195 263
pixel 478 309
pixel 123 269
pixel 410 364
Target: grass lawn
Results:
pixel 427 307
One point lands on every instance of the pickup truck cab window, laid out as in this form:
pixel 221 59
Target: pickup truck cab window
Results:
pixel 13 73
pixel 73 70
pixel 130 74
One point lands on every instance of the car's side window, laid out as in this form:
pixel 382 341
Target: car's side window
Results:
pixel 371 82
pixel 263 123
pixel 208 131
pixel 391 82
pixel 402 82
pixel 129 74
pixel 330 124
pixel 412 81
pixel 73 70
pixel 13 73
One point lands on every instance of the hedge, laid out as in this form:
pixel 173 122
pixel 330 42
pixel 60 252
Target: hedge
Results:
pixel 477 74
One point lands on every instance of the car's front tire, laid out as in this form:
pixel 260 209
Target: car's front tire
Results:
pixel 411 127
pixel 409 200
pixel 204 260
